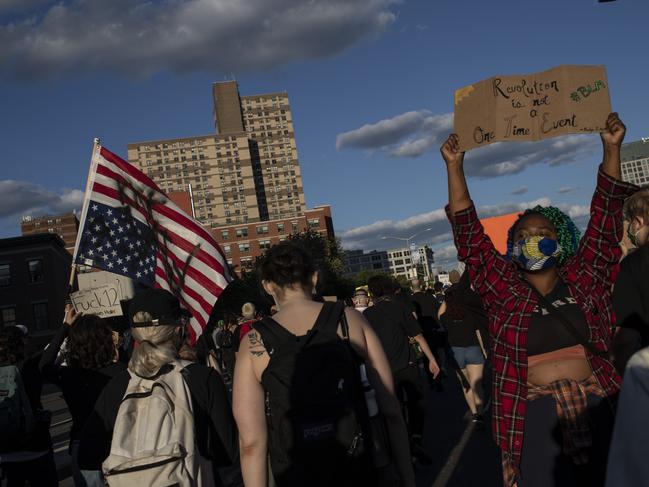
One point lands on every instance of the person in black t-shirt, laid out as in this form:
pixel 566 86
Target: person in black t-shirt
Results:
pixel 31 462
pixel 463 334
pixel 396 327
pixel 426 307
pixel 631 291
pixel 91 362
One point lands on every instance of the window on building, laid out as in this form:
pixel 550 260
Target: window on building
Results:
pixel 264 244
pixel 8 316
pixel 280 228
pixel 314 222
pixel 226 249
pixel 39 310
pixel 294 227
pixel 225 234
pixel 242 232
pixel 244 247
pixel 262 229
pixel 35 267
pixel 5 274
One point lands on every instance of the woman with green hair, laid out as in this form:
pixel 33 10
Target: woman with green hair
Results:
pixel 551 322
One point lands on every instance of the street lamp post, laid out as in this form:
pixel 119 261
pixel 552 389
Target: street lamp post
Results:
pixel 407 240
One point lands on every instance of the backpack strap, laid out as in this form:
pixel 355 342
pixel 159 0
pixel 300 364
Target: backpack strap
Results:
pixel 272 333
pixel 329 317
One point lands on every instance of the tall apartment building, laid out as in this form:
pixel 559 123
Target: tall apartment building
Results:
pixel 635 162
pixel 248 171
pixel 65 226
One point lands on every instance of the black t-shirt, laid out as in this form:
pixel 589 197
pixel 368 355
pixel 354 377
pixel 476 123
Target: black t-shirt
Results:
pixel 546 333
pixel 426 307
pixel 216 435
pixel 461 332
pixel 425 304
pixel 80 387
pixel 631 294
pixel 464 315
pixel 393 324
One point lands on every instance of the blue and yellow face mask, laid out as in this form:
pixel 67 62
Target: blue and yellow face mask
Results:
pixel 536 253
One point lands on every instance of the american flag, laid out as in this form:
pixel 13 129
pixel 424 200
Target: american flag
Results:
pixel 130 227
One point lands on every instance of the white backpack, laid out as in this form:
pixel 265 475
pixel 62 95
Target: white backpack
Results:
pixel 154 437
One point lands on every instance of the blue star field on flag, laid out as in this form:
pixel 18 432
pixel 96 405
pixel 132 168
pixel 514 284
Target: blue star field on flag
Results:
pixel 115 241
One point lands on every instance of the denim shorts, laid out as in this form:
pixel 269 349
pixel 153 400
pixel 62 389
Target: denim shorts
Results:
pixel 468 356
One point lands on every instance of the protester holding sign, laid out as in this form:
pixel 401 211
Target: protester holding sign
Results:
pixel 549 307
pixel 91 362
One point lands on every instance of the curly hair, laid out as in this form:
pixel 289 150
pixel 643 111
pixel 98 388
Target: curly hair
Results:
pixel 12 346
pixel 568 234
pixel 90 343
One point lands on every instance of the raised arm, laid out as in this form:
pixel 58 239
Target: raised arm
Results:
pixel 458 191
pixel 599 248
pixel 488 270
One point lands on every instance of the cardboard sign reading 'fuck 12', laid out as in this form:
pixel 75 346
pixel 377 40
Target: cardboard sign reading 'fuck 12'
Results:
pixel 103 301
pixel 562 100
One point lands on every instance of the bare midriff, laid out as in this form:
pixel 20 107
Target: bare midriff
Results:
pixel 565 363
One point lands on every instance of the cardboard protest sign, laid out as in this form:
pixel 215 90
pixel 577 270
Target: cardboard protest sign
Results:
pixel 101 301
pixel 562 100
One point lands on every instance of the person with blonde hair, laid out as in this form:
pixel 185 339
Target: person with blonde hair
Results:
pixel 248 317
pixel 158 328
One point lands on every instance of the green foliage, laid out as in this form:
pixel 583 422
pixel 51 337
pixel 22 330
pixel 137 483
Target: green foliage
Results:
pixel 328 255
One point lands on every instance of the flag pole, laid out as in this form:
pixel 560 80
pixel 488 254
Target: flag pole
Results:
pixel 96 147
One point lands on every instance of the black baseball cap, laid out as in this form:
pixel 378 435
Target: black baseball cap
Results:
pixel 163 306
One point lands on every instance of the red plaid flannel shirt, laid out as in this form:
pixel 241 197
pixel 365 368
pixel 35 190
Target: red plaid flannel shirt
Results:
pixel 509 302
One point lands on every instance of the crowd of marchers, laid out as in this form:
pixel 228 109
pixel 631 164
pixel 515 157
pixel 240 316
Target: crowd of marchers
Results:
pixel 321 393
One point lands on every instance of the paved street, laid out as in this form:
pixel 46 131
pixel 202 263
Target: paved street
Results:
pixel 60 431
pixel 461 456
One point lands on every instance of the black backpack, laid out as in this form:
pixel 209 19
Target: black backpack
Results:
pixel 225 339
pixel 318 424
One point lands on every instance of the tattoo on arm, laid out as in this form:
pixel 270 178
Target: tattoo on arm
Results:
pixel 257 348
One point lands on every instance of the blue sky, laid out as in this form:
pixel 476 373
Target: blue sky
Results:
pixel 370 82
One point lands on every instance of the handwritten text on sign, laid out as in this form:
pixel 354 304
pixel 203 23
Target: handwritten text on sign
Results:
pixel 563 100
pixel 101 301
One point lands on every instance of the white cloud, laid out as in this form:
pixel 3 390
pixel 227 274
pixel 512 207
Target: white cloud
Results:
pixel 414 133
pixel 566 190
pixel 519 191
pixel 21 198
pixel 407 135
pixel 445 257
pixel 138 38
pixel 369 236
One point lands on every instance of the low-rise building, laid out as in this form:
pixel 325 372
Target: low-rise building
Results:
pixel 358 261
pixel 65 226
pixel 34 273
pixel 243 243
pixel 417 263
